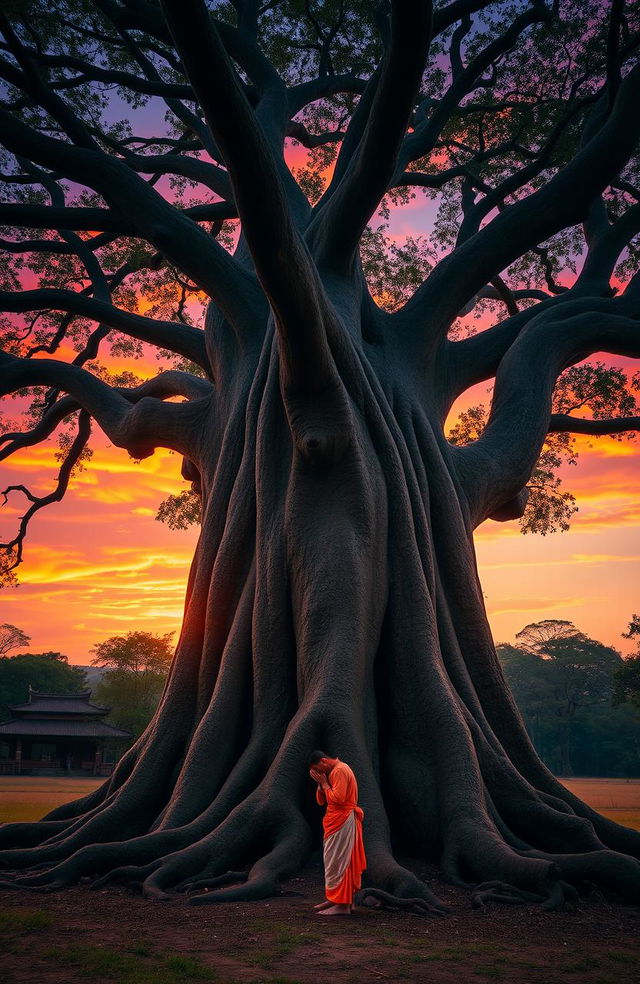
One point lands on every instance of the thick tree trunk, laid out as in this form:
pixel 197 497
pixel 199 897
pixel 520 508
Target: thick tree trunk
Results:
pixel 333 602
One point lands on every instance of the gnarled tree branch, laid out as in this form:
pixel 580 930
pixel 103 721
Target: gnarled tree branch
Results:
pixel 172 335
pixel 89 219
pixel 140 429
pixel 181 240
pixel 563 201
pixel 13 548
pixel 282 262
pixel 503 457
pixel 370 169
pixel 582 425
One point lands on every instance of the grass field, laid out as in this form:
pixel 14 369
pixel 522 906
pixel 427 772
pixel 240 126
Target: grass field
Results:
pixel 29 798
pixel 618 799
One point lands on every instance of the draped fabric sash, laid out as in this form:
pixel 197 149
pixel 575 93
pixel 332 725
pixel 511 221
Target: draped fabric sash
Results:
pixel 338 848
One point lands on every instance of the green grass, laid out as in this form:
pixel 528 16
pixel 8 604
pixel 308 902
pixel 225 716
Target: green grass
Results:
pixel 126 967
pixel 283 940
pixel 24 920
pixel 462 951
pixel 621 956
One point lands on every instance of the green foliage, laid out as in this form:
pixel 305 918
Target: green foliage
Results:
pixel 136 667
pixel 47 672
pixel 135 652
pixel 180 511
pixel 626 679
pixel 564 685
pixel 394 270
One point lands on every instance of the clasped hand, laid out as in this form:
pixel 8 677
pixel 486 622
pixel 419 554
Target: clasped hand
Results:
pixel 319 777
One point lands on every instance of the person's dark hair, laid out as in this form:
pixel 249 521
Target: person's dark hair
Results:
pixel 315 757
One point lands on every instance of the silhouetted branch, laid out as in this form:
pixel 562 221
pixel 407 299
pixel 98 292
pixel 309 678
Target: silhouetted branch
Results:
pixel 370 169
pixel 180 239
pixel 503 457
pixel 282 262
pixel 582 425
pixel 562 202
pixel 171 335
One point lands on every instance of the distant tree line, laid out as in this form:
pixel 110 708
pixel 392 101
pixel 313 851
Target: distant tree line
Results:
pixel 134 669
pixel 580 699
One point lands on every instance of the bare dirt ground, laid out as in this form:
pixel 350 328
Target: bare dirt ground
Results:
pixel 116 937
pixel 111 935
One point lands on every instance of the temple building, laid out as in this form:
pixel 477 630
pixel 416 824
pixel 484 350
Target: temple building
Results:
pixel 54 734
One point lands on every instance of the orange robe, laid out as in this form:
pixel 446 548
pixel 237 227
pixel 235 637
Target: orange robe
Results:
pixel 343 845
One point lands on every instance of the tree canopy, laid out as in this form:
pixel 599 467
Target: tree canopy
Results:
pixel 565 685
pixel 48 673
pixel 136 666
pixel 11 637
pixel 627 676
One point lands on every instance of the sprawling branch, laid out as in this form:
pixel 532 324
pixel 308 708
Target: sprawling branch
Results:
pixel 141 428
pixel 475 359
pixel 172 335
pixel 495 197
pixel 321 88
pixel 562 202
pixel 370 169
pixel 582 425
pixel 13 548
pixel 495 468
pixel 446 16
pixel 89 219
pixel 13 441
pixel 282 262
pixel 207 174
pixel 180 239
pixel 423 139
pixel 161 387
pixel 605 247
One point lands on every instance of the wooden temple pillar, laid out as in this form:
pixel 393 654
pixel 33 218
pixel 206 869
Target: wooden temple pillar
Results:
pixel 97 759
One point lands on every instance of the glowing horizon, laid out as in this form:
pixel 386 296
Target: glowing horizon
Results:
pixel 99 564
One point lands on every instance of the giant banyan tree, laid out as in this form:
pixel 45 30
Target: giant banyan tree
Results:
pixel 333 599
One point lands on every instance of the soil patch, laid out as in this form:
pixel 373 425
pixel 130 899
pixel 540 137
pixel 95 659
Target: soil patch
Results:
pixel 112 935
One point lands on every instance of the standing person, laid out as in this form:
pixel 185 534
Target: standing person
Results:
pixel 344 857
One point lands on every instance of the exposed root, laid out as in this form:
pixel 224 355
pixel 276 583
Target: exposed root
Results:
pixel 44 889
pixel 252 889
pixel 615 872
pixel 128 874
pixel 24 835
pixel 377 898
pixel 218 881
pixel 394 881
pixel 496 891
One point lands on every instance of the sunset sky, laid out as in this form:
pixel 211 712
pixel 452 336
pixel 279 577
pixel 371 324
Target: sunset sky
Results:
pixel 99 564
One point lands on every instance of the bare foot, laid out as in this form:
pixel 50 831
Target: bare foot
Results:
pixel 336 910
pixel 322 905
